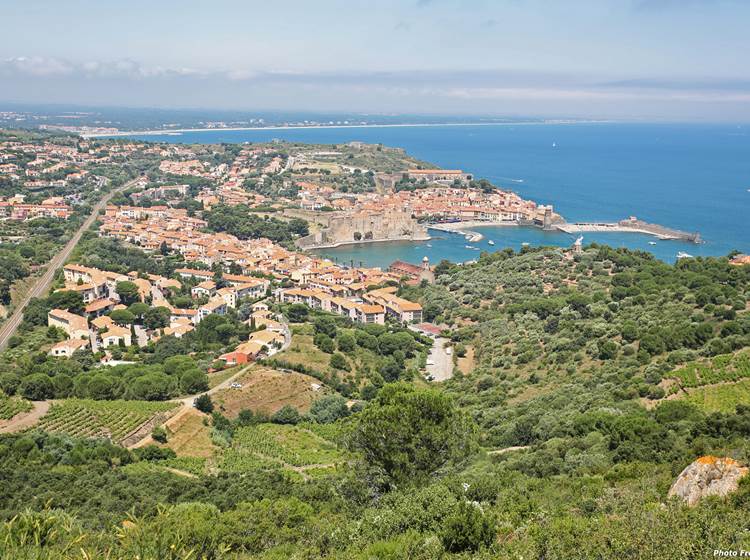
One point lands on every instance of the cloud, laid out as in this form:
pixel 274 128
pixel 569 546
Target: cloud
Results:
pixel 126 82
pixel 37 66
pixel 50 67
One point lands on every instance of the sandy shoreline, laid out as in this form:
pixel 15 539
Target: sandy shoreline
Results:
pixel 177 131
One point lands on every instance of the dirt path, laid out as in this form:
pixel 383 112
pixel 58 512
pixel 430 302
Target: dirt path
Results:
pixel 508 449
pixel 180 472
pixel 27 419
pixel 187 406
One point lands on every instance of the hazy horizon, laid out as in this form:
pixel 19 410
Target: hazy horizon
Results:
pixel 610 59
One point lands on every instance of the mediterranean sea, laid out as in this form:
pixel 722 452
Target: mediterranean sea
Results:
pixel 687 177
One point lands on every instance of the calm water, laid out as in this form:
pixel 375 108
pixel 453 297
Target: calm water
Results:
pixel 690 177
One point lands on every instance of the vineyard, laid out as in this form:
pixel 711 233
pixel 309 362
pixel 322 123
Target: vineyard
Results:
pixel 271 445
pixel 10 406
pixel 720 369
pixel 106 419
pixel 722 398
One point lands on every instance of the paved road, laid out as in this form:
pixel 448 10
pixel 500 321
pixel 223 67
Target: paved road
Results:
pixel 43 283
pixel 442 367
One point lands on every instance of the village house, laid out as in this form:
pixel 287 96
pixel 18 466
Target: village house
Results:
pixel 401 309
pixel 74 325
pixel 67 348
pixel 116 336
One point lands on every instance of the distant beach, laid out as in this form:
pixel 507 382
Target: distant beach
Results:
pixel 176 131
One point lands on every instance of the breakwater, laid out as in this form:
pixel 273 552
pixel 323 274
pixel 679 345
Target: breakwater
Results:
pixel 632 225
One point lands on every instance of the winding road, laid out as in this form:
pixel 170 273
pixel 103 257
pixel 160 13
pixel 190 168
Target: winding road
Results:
pixel 43 283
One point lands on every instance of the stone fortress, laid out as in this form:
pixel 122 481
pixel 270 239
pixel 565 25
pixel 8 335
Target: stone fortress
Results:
pixel 341 228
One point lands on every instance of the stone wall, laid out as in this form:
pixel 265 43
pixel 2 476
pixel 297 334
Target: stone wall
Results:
pixel 345 227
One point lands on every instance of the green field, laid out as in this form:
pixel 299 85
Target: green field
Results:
pixel 726 367
pixel 722 398
pixel 108 419
pixel 10 406
pixel 271 445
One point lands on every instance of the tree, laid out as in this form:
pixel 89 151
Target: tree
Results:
pixel 101 387
pixel 298 226
pixel 37 387
pixel 329 409
pixel 286 415
pixel 346 342
pixel 339 362
pixel 122 317
pixel 204 403
pixel 427 434
pixel 325 325
pixel 193 381
pixel 391 342
pixel 156 318
pixel 245 417
pixel 468 528
pixel 297 313
pixel 159 434
pixel 608 350
pixel 128 292
pixel 65 299
pixel 324 343
pixel 139 309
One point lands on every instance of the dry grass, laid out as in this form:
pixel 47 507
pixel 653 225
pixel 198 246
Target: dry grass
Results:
pixel 267 390
pixel 189 437
pixel 466 364
pixel 303 351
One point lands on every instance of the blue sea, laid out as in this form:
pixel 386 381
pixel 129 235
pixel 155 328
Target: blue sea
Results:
pixel 688 177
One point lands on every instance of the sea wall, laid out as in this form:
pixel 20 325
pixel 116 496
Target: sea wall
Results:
pixel 343 228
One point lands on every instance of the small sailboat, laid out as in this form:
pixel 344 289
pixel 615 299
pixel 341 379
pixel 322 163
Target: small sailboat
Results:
pixel 490 242
pixel 652 242
pixel 684 255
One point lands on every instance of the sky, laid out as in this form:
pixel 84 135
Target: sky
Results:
pixel 622 59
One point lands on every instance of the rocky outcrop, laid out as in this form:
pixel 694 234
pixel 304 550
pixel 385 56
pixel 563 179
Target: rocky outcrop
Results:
pixel 707 476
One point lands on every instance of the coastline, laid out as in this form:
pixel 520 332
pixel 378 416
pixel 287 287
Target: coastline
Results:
pixel 178 131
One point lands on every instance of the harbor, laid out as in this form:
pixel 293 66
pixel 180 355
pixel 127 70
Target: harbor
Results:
pixel 630 225
pixel 462 228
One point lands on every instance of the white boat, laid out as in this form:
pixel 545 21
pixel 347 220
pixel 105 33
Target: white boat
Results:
pixel 652 242
pixel 429 244
pixel 490 242
pixel 524 244
pixel 684 255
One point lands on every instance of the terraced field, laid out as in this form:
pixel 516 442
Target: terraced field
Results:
pixel 719 369
pixel 721 398
pixel 113 420
pixel 271 445
pixel 10 406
